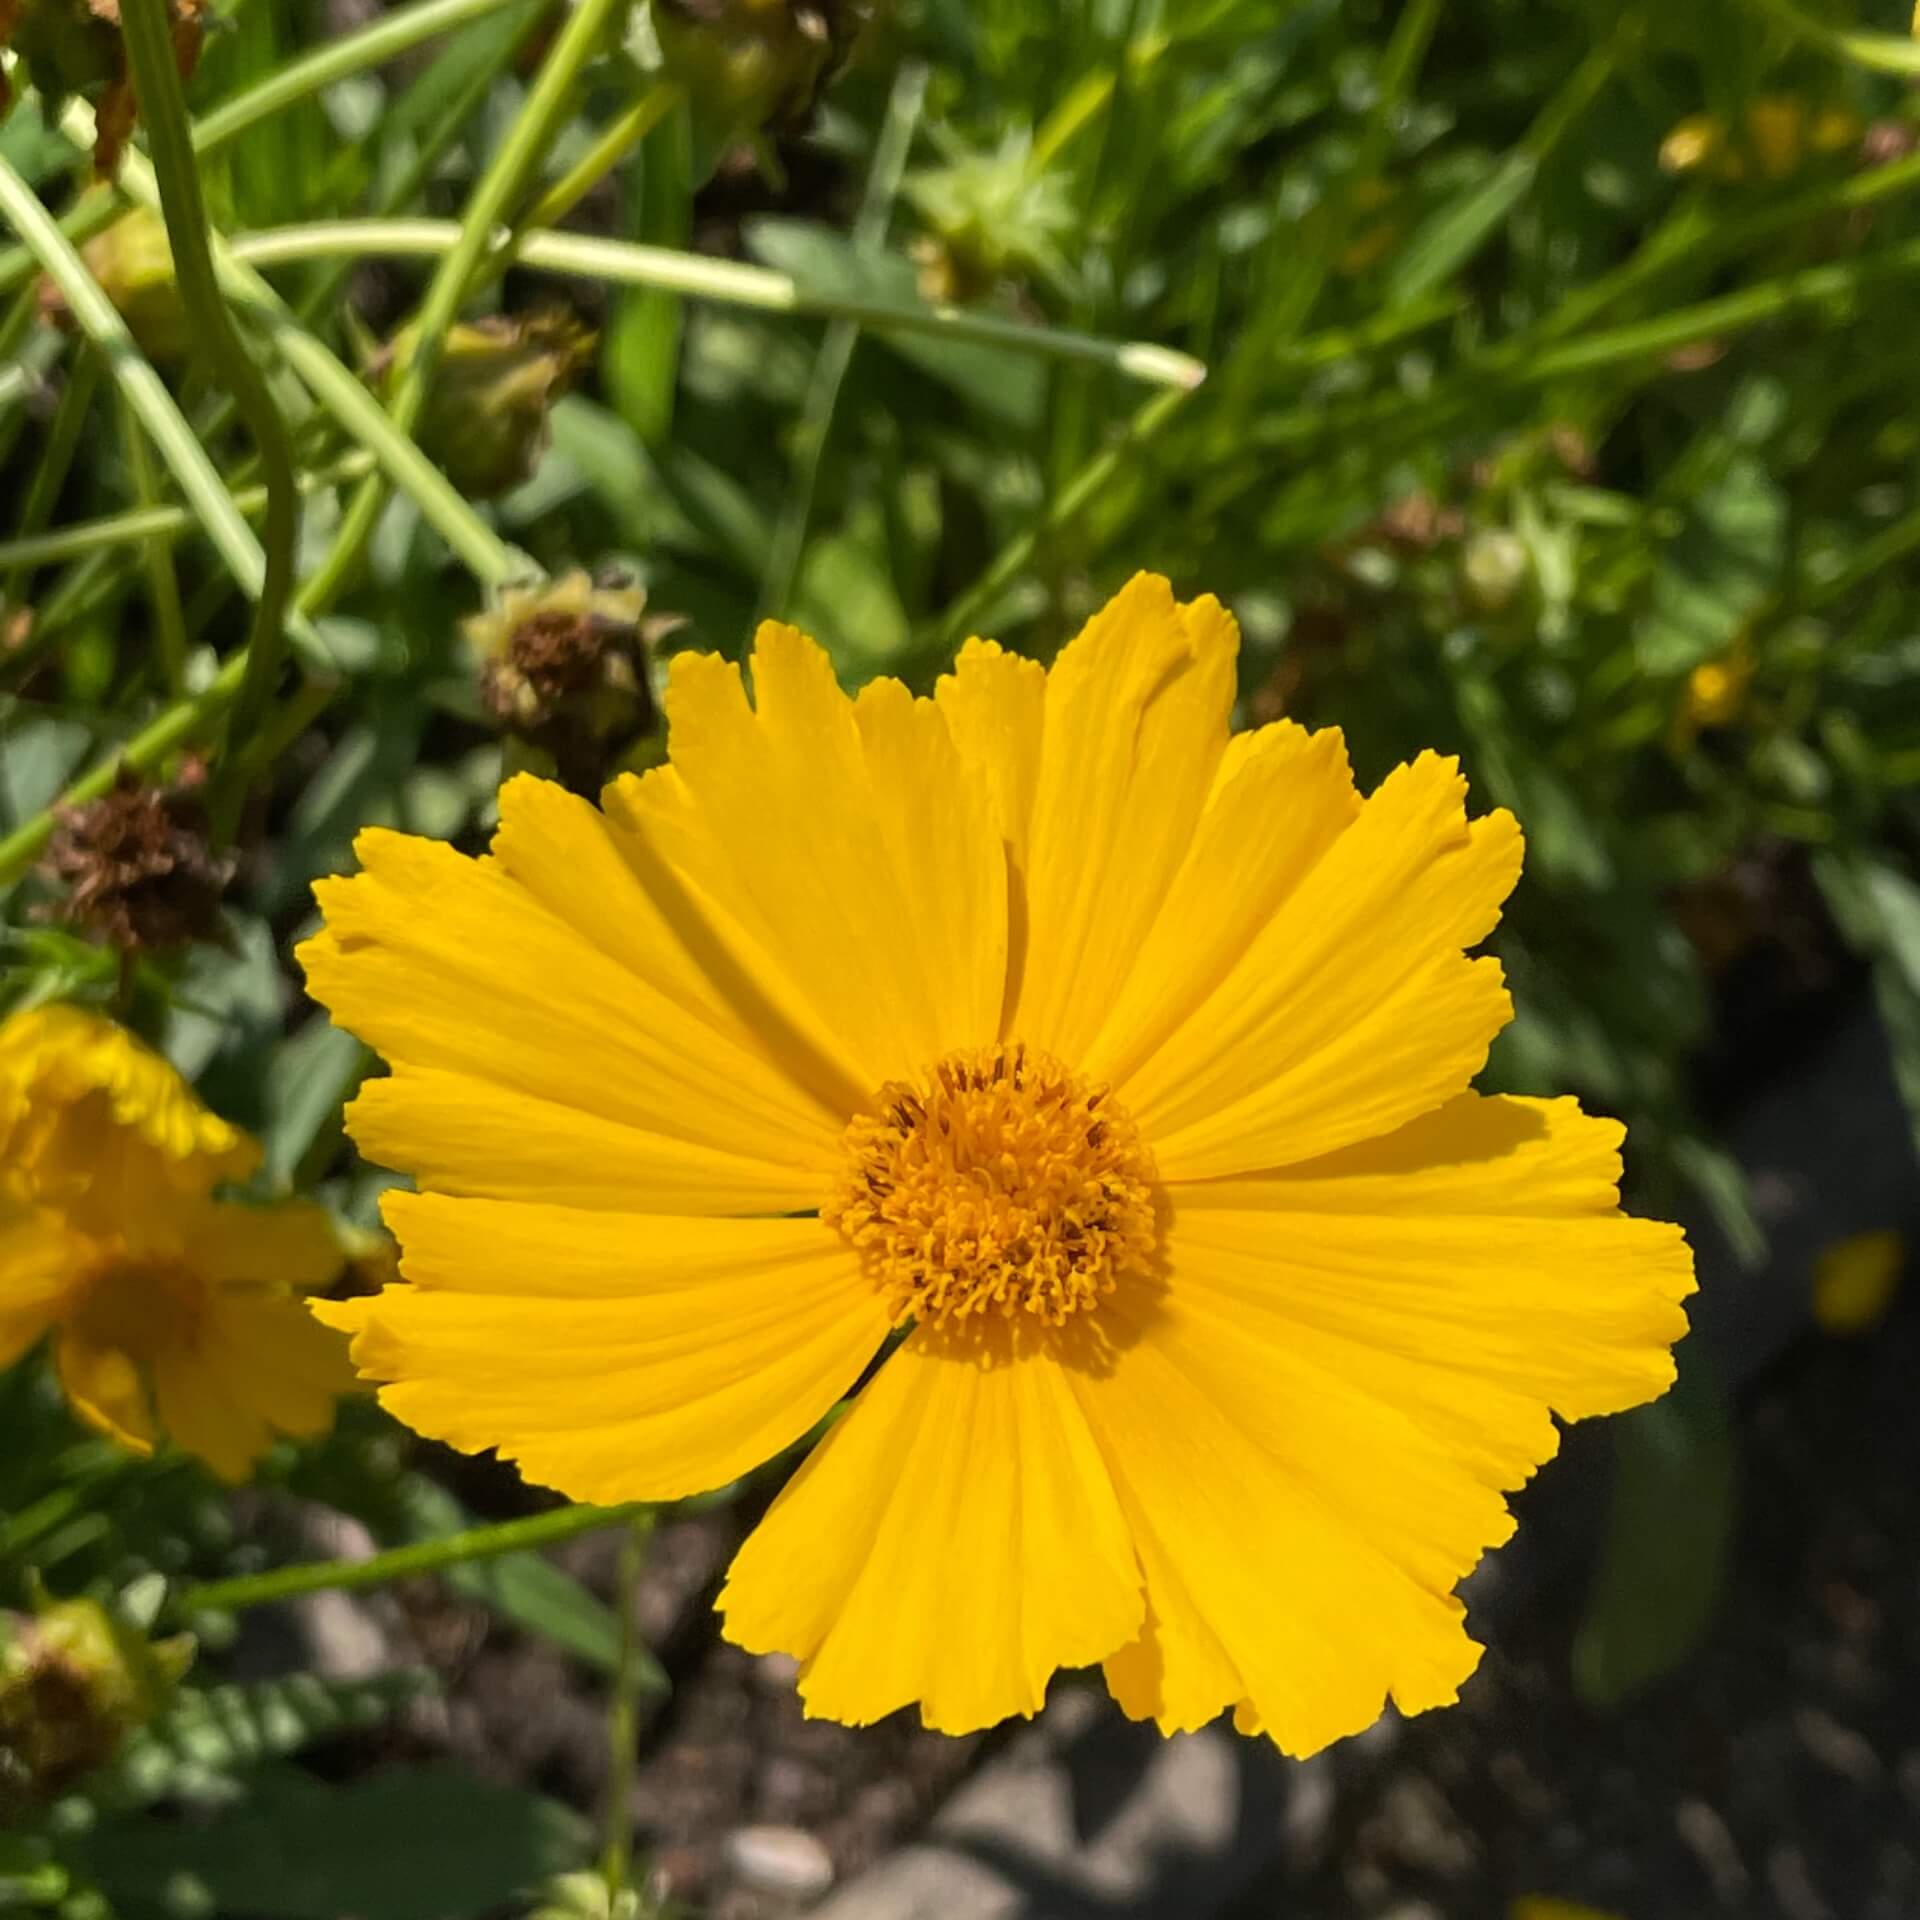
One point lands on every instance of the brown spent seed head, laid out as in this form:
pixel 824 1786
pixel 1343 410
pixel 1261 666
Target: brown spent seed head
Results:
pixel 137 866
pixel 75 46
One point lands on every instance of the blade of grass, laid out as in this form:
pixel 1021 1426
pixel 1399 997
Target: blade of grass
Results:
pixel 147 33
pixel 734 282
pixel 163 588
pixel 836 350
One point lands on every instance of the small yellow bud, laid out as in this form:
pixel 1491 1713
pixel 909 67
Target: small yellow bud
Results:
pixel 1717 689
pixel 74 1682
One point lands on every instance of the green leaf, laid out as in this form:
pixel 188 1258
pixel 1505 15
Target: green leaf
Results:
pixel 640 353
pixel 410 1843
pixel 207 1734
pixel 528 1589
pixel 307 1080
pixel 1668 1534
pixel 1878 908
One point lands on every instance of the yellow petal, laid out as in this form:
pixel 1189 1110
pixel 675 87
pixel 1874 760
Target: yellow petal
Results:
pixel 1370 1346
pixel 847 845
pixel 615 1356
pixel 41 1259
pixel 94 1119
pixel 453 969
pixel 1135 723
pixel 292 1247
pixel 258 1365
pixel 107 1387
pixel 1282 798
pixel 952 1542
pixel 1352 1010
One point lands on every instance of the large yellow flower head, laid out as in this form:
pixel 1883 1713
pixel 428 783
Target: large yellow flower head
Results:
pixel 173 1313
pixel 1122 1064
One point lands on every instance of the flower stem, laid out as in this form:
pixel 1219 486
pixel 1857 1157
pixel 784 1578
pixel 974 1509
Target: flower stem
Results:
pixel 147 32
pixel 401 1563
pixel 623 1719
pixel 499 186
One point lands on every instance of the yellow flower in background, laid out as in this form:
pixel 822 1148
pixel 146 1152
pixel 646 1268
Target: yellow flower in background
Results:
pixel 1541 1906
pixel 1855 1279
pixel 1776 135
pixel 172 1313
pixel 1120 1064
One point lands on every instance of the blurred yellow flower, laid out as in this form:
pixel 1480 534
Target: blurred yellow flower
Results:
pixel 1777 134
pixel 172 1313
pixel 1854 1281
pixel 1717 689
pixel 1541 1906
pixel 1121 1065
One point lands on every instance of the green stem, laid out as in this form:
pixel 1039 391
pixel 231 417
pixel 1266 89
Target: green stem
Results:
pixel 146 392
pixel 400 1563
pixel 836 350
pixel 147 33
pixel 54 462
pixel 623 1719
pixel 163 588
pixel 1882 52
pixel 629 263
pixel 86 537
pixel 600 159
pixel 1067 505
pixel 393 34
pixel 498 187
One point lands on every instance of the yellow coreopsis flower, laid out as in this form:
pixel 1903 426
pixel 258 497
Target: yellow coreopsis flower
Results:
pixel 172 1312
pixel 1122 1064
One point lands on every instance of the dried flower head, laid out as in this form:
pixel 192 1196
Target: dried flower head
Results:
pixel 564 666
pixel 138 869
pixel 494 385
pixel 74 1682
pixel 75 46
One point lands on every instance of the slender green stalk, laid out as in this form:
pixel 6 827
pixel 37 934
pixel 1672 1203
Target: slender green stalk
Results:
pixel 130 530
pixel 93 211
pixel 400 1563
pixel 493 196
pixel 1066 507
pixel 51 468
pixel 345 396
pixel 734 282
pixel 836 350
pixel 623 1718
pixel 613 146
pixel 146 393
pixel 163 587
pixel 147 34
pixel 389 36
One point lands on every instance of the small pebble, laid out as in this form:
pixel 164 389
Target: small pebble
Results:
pixel 780 1860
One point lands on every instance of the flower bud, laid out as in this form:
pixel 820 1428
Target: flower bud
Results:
pixel 494 385
pixel 748 64
pixel 74 1682
pixel 988 218
pixel 564 667
pixel 133 264
pixel 139 869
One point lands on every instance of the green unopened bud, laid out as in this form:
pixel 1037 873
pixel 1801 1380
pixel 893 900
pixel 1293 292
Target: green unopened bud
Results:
pixel 748 64
pixel 74 1682
pixel 133 265
pixel 1494 569
pixel 493 388
pixel 564 666
pixel 990 217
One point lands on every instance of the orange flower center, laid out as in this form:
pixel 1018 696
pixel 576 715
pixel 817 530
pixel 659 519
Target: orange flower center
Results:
pixel 1006 1182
